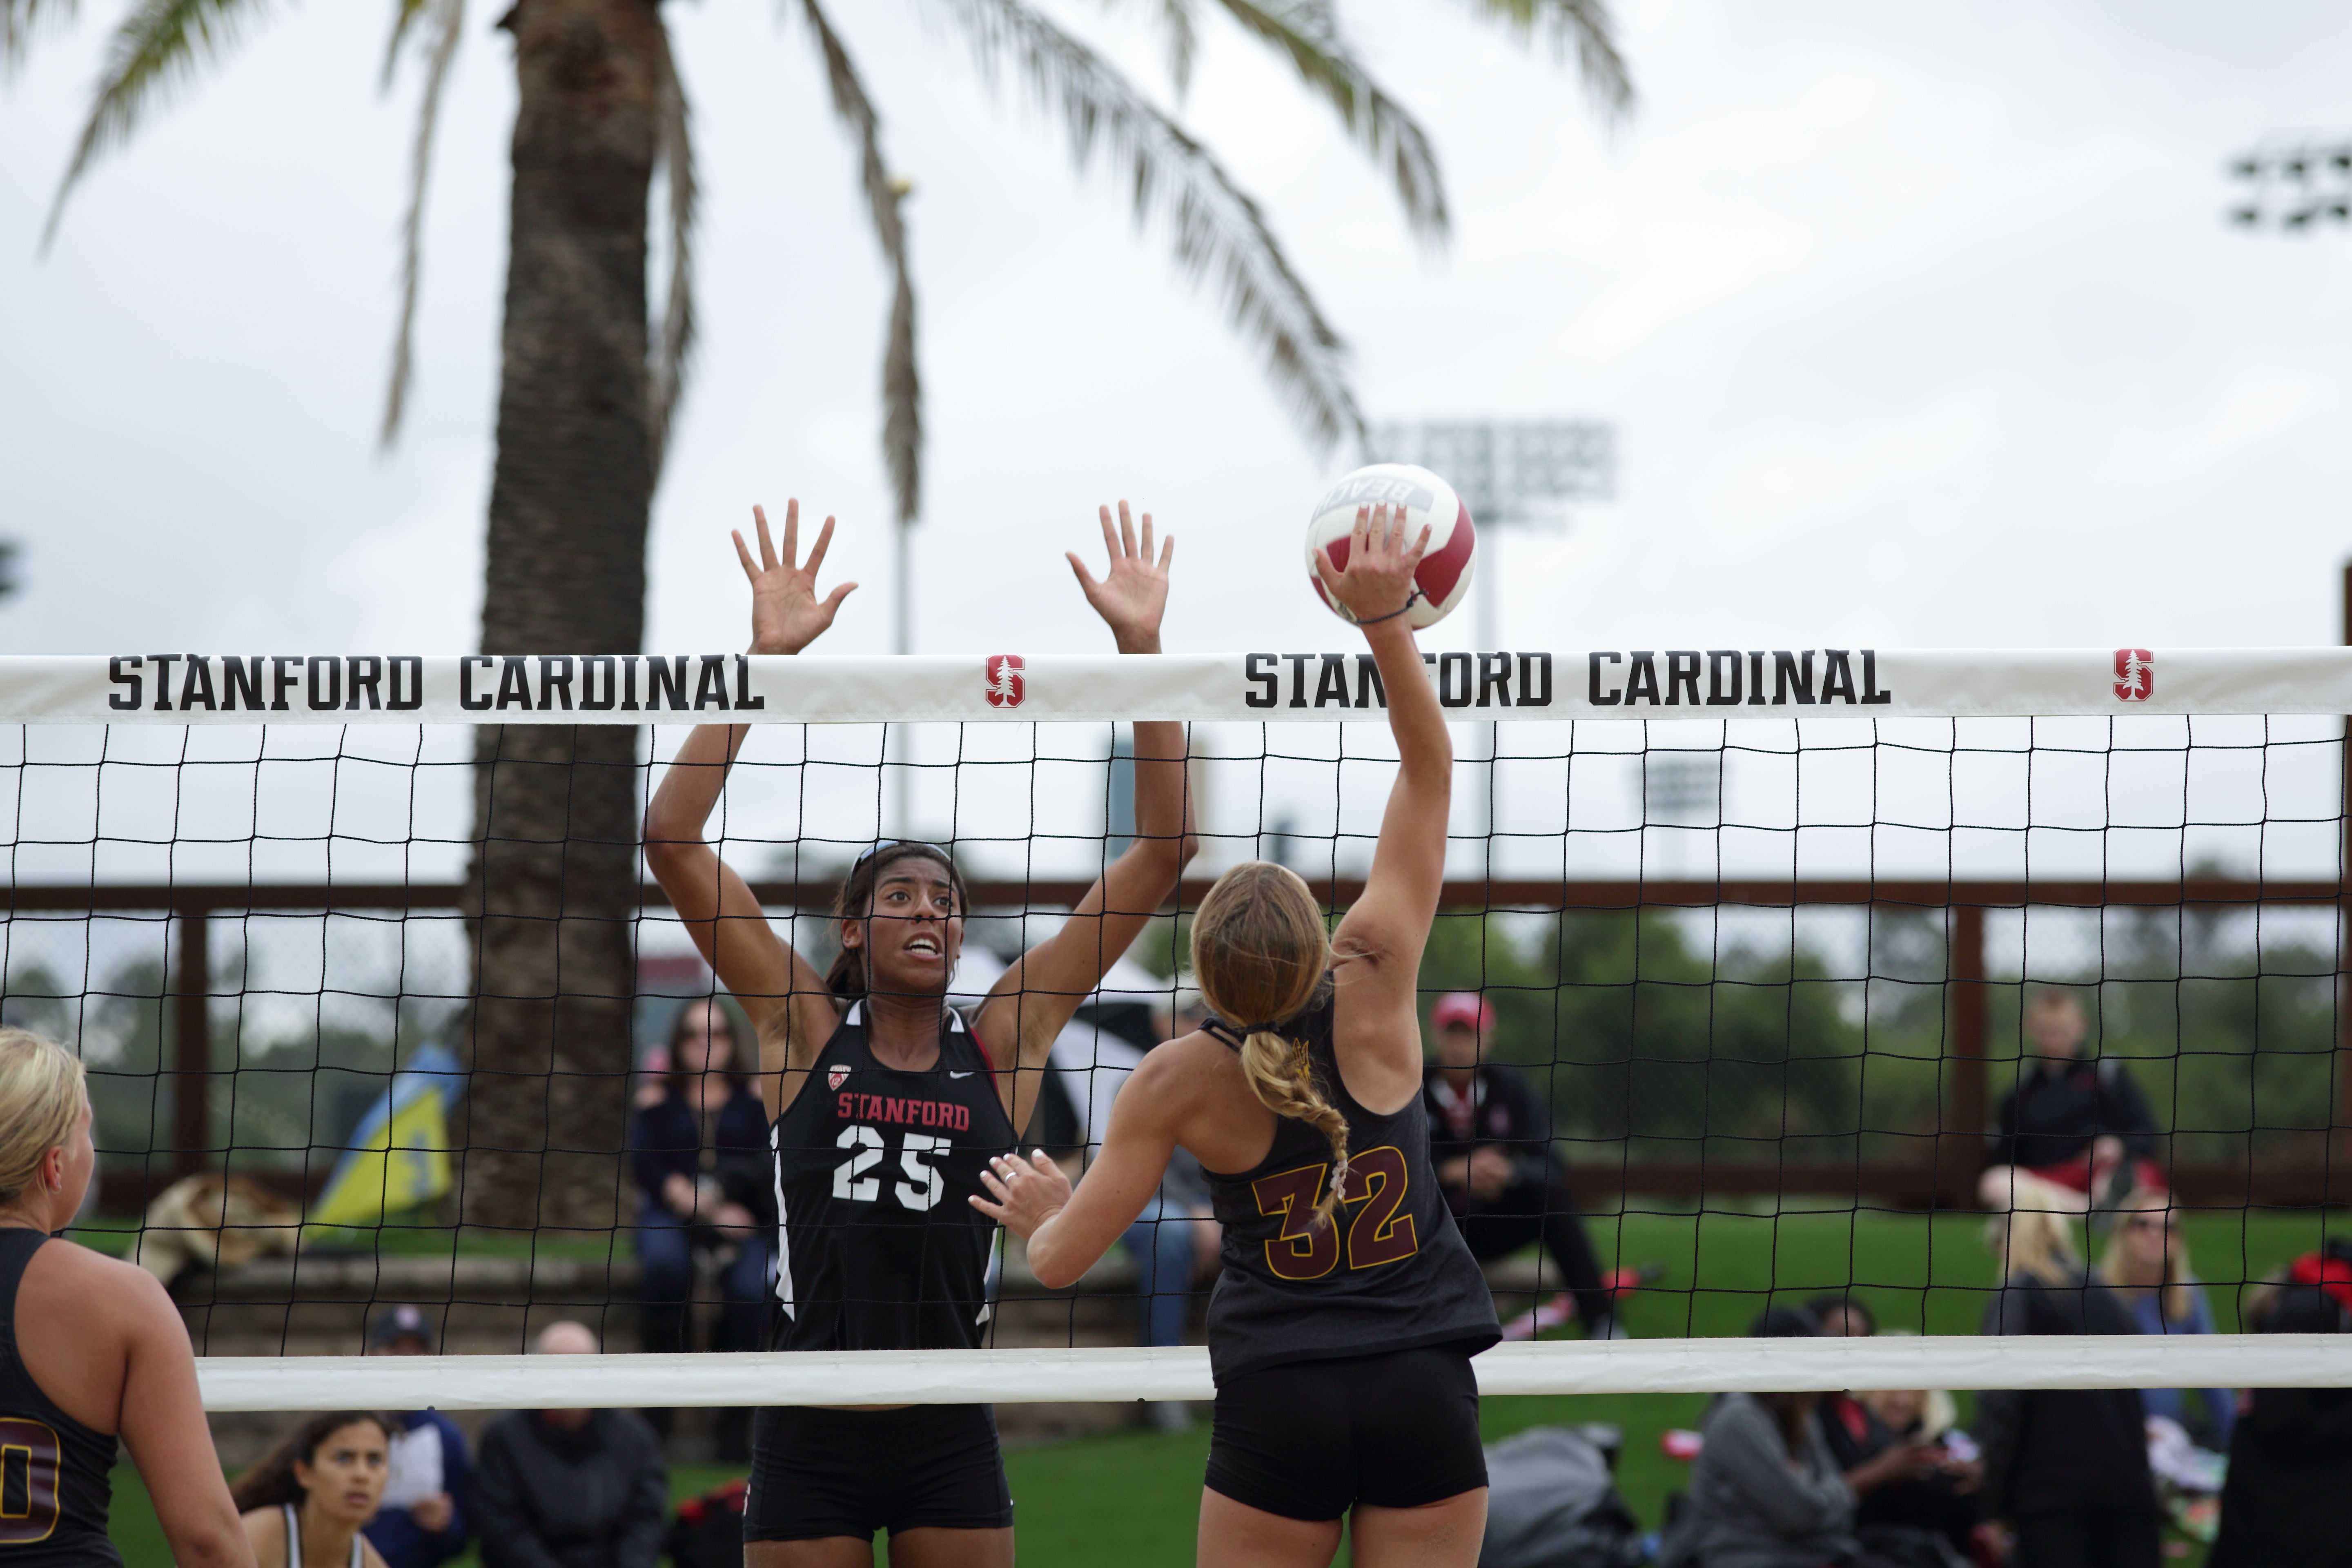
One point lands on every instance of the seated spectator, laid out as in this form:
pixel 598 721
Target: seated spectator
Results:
pixel 304 1500
pixel 2291 1456
pixel 421 1522
pixel 1766 1492
pixel 2067 1468
pixel 570 1489
pixel 2146 1265
pixel 1842 1317
pixel 1489 1139
pixel 2075 1134
pixel 700 1153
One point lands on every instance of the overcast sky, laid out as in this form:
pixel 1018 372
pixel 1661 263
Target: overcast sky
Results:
pixel 1918 327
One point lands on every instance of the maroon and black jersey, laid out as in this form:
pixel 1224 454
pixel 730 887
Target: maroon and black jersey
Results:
pixel 1388 1272
pixel 878 1247
pixel 56 1473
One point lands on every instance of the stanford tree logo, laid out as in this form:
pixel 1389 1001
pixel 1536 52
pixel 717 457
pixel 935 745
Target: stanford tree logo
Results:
pixel 1006 686
pixel 2134 675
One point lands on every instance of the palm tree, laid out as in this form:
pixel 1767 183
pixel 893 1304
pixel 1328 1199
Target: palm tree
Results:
pixel 589 389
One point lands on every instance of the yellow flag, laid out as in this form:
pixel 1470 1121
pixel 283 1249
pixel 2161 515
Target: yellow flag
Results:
pixel 398 1158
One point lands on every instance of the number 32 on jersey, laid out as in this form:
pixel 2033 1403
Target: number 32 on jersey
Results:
pixel 1377 1232
pixel 923 1185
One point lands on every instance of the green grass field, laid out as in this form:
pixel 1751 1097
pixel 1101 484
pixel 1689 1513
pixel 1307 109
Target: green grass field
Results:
pixel 1133 1498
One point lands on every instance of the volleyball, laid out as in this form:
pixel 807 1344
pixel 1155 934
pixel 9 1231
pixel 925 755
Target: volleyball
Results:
pixel 1445 571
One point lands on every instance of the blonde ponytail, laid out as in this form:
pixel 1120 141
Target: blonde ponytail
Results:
pixel 1283 1081
pixel 1259 953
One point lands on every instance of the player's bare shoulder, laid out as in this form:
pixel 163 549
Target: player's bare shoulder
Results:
pixel 99 1291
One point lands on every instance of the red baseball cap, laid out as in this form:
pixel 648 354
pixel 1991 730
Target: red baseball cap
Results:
pixel 1465 1008
pixel 2333 1275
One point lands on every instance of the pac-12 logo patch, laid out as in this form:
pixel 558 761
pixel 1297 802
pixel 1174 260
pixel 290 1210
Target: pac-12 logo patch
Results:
pixel 2134 675
pixel 837 1077
pixel 1006 686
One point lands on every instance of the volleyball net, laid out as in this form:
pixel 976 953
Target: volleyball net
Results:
pixel 372 990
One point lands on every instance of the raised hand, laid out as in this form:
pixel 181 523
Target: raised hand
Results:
pixel 1133 593
pixel 1029 1190
pixel 786 614
pixel 1377 583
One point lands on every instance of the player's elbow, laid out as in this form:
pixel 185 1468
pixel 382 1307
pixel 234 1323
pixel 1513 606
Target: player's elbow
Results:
pixel 1055 1270
pixel 214 1543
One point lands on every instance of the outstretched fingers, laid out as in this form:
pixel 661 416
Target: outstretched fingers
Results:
pixel 1125 530
pixel 825 542
pixel 767 544
pixel 1086 578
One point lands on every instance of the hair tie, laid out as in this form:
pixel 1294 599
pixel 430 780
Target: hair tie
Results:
pixel 1410 599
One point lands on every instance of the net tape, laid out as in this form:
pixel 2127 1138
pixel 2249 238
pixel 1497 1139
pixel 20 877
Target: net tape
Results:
pixel 1079 1374
pixel 634 689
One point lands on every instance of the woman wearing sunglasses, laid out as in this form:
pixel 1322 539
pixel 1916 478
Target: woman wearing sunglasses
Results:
pixel 885 1106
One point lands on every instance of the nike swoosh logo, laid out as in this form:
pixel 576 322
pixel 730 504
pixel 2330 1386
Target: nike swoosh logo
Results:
pixel 966 1073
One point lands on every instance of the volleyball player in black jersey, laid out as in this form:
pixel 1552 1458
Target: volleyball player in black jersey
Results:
pixel 91 1349
pixel 1341 1330
pixel 886 1105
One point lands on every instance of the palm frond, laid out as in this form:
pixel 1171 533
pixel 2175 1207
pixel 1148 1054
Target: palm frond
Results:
pixel 1588 25
pixel 1307 32
pixel 17 20
pixel 160 42
pixel 1217 229
pixel 902 386
pixel 406 15
pixel 673 342
pixel 447 19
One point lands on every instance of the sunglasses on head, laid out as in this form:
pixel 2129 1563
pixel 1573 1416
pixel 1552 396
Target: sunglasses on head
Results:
pixel 866 855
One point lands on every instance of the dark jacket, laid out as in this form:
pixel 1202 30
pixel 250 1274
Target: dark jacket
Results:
pixel 2059 1109
pixel 666 1140
pixel 1932 1502
pixel 2290 1474
pixel 548 1498
pixel 2051 1450
pixel 395 1532
pixel 1504 1110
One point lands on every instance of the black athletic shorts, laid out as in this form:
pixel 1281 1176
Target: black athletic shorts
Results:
pixel 818 1472
pixel 1312 1439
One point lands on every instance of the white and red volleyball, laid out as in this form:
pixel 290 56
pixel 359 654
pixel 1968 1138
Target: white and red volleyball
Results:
pixel 1444 573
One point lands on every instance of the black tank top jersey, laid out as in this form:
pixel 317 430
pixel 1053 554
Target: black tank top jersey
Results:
pixel 56 1473
pixel 1390 1272
pixel 877 1247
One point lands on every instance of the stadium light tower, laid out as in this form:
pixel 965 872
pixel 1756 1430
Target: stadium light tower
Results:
pixel 1511 474
pixel 2295 188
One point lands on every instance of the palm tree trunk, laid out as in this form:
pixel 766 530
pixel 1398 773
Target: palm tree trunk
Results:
pixel 553 881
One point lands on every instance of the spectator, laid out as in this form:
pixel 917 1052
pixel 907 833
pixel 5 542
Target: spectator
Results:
pixel 1489 1139
pixel 1916 1496
pixel 1173 1241
pixel 2291 1456
pixel 700 1153
pixel 2075 1132
pixel 304 1500
pixel 570 1489
pixel 1842 1317
pixel 2146 1265
pixel 421 1522
pixel 1766 1491
pixel 2067 1468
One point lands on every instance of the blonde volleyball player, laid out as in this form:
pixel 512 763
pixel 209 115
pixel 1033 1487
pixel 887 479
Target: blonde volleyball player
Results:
pixel 91 1349
pixel 1342 1328
pixel 886 1105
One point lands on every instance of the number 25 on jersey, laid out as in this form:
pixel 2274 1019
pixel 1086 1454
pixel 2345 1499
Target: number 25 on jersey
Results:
pixel 1377 1232
pixel 923 1185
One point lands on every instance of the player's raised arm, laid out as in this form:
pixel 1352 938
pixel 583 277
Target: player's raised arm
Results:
pixel 1381 941
pixel 1036 997
pixel 773 981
